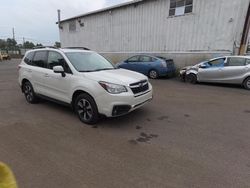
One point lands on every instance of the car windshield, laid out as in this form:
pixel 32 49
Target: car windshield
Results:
pixel 89 61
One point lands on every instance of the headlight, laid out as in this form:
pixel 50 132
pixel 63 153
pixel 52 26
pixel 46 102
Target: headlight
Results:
pixel 113 88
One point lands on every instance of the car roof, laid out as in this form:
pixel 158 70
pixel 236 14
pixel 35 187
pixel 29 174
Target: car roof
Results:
pixel 64 50
pixel 240 56
pixel 156 57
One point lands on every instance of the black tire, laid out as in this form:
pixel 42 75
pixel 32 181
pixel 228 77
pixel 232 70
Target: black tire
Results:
pixel 153 74
pixel 246 83
pixel 86 109
pixel 29 93
pixel 191 78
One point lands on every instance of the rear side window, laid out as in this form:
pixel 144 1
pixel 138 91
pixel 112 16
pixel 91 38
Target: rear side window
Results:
pixel 40 59
pixel 236 61
pixel 28 58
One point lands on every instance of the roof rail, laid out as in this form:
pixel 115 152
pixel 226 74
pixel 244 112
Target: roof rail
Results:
pixel 40 47
pixel 80 48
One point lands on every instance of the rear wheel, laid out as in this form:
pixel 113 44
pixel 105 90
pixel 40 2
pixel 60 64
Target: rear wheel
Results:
pixel 246 83
pixel 29 93
pixel 153 74
pixel 86 109
pixel 191 78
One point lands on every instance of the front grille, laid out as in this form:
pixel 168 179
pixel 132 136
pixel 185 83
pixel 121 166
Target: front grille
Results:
pixel 139 87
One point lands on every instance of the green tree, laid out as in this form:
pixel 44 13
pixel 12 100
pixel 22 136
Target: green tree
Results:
pixel 11 43
pixel 28 45
pixel 3 44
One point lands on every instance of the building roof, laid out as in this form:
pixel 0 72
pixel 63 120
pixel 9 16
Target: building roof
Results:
pixel 103 10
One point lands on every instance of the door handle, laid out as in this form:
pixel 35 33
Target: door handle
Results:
pixel 29 70
pixel 46 75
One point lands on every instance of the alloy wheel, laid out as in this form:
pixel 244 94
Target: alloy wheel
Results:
pixel 85 110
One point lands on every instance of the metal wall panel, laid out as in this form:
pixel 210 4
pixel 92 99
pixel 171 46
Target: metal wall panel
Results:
pixel 214 25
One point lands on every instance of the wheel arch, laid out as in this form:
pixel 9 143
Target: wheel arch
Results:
pixel 248 76
pixel 76 93
pixel 23 81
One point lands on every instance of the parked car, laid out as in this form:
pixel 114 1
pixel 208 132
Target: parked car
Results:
pixel 229 69
pixel 4 56
pixel 84 80
pixel 151 66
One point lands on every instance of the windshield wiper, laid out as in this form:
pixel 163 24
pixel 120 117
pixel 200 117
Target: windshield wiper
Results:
pixel 87 71
pixel 98 70
pixel 104 69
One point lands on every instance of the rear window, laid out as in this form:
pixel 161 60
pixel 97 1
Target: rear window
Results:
pixel 28 58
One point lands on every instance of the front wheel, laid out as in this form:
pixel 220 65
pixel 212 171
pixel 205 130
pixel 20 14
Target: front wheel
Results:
pixel 191 78
pixel 153 74
pixel 86 109
pixel 246 83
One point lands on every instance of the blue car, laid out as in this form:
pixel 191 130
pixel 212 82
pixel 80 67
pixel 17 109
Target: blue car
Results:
pixel 151 66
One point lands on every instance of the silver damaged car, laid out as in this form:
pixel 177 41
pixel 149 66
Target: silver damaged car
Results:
pixel 228 69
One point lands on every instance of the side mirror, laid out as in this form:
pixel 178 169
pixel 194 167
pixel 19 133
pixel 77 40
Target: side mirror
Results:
pixel 59 69
pixel 203 66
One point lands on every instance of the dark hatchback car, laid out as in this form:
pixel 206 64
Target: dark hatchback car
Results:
pixel 151 66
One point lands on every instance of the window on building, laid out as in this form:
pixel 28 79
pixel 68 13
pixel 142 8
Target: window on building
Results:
pixel 72 26
pixel 180 7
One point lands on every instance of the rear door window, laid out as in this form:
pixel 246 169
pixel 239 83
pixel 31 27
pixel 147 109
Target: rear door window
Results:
pixel 236 61
pixel 134 59
pixel 145 59
pixel 40 59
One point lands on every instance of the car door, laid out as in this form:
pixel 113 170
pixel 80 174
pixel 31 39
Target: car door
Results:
pixel 212 72
pixel 144 64
pixel 235 70
pixel 57 86
pixel 131 63
pixel 38 71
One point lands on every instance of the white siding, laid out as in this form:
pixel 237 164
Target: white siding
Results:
pixel 214 25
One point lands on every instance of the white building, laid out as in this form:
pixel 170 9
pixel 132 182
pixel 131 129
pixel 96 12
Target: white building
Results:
pixel 186 30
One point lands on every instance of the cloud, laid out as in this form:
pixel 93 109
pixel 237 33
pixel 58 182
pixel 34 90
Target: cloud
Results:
pixel 35 20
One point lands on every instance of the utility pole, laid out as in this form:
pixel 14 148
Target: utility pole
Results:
pixel 13 32
pixel 24 44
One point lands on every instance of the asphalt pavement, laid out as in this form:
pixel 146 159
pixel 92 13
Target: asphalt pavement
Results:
pixel 189 136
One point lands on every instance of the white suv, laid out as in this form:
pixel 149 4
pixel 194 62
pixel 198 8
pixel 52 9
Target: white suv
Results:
pixel 83 79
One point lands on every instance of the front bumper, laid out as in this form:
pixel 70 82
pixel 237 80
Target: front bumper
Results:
pixel 118 105
pixel 182 75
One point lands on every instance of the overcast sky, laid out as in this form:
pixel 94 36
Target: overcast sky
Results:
pixel 35 19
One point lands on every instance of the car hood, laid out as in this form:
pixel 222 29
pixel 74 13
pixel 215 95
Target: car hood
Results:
pixel 116 76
